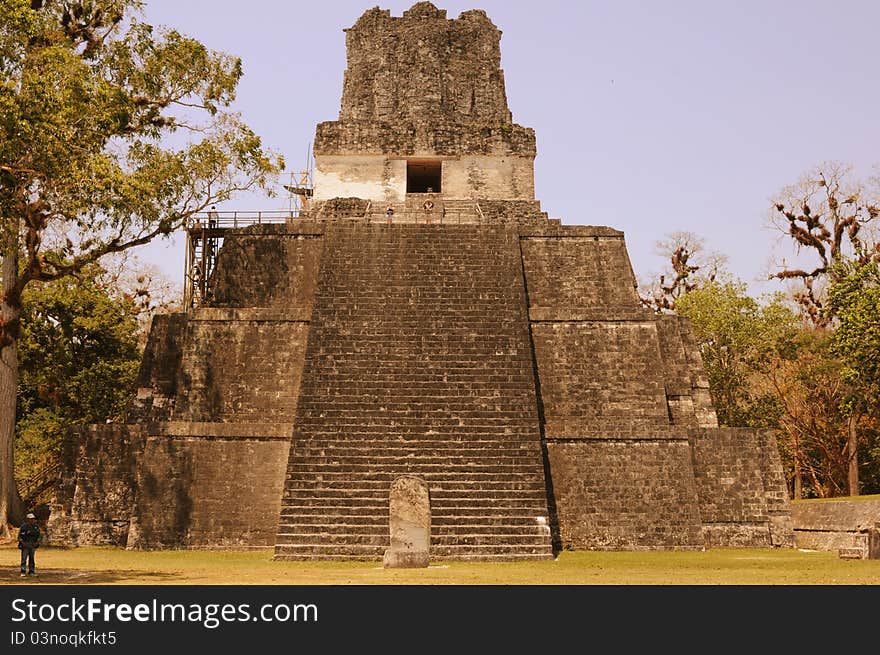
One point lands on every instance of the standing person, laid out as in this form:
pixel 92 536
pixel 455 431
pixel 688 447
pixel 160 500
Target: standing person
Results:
pixel 389 213
pixel 428 207
pixel 28 542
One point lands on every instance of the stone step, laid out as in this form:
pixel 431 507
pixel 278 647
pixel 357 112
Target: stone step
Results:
pixel 448 416
pixel 514 437
pixel 491 424
pixel 380 528
pixel 513 451
pixel 357 457
pixel 482 504
pixel 464 444
pixel 464 484
pixel 498 553
pixel 513 444
pixel 428 366
pixel 389 468
pixel 451 505
pixel 851 553
pixel 428 460
pixel 382 540
pixel 435 475
pixel 344 515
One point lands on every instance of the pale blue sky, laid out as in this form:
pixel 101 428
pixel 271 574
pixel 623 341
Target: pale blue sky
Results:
pixel 650 117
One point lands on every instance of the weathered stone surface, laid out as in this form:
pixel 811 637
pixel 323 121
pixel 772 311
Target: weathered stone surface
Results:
pixel 409 524
pixel 838 524
pixel 424 86
pixel 599 379
pixel 156 384
pixel 835 514
pixel 732 488
pixel 625 495
pixel 687 387
pixel 272 273
pixel 97 492
pixel 208 491
pixel 418 362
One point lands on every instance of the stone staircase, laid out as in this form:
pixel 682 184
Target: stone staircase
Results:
pixel 418 362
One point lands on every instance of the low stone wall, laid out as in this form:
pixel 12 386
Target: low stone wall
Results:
pixel 210 485
pixel 838 524
pixel 97 492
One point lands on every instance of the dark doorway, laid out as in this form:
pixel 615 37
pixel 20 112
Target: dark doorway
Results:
pixel 423 176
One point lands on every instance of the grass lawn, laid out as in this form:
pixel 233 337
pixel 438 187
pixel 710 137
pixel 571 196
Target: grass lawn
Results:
pixel 94 565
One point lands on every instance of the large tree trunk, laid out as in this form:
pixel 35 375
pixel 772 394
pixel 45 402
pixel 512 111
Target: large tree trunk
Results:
pixel 11 508
pixel 852 452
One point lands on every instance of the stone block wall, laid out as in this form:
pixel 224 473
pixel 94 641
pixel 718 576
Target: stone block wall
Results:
pixel 242 354
pixel 98 491
pixel 573 277
pixel 622 477
pixel 741 502
pixel 687 387
pixel 625 494
pixel 835 524
pixel 240 370
pixel 203 485
pixel 277 272
pixel 212 476
pixel 201 461
pixel 599 379
pixel 423 67
pixel 157 378
pixel 423 86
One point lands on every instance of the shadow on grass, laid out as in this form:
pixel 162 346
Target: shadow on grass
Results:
pixel 79 576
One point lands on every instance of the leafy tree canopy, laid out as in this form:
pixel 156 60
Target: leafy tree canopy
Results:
pixel 112 133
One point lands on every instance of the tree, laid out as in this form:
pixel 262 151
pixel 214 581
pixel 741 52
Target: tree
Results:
pixel 768 368
pixel 691 266
pixel 89 100
pixel 854 299
pixel 79 358
pixel 833 218
pixel 739 340
pixel 816 425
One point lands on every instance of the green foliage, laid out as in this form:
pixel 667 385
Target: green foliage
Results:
pixel 89 97
pixel 79 358
pixel 769 369
pixel 855 300
pixel 738 340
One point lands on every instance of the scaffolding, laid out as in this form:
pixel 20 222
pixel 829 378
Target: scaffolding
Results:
pixel 205 233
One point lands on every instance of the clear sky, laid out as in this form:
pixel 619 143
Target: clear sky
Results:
pixel 650 117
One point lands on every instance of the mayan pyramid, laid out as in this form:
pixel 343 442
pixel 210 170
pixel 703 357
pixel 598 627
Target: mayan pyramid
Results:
pixel 423 316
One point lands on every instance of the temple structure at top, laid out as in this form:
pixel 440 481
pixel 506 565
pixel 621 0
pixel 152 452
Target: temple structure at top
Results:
pixel 424 110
